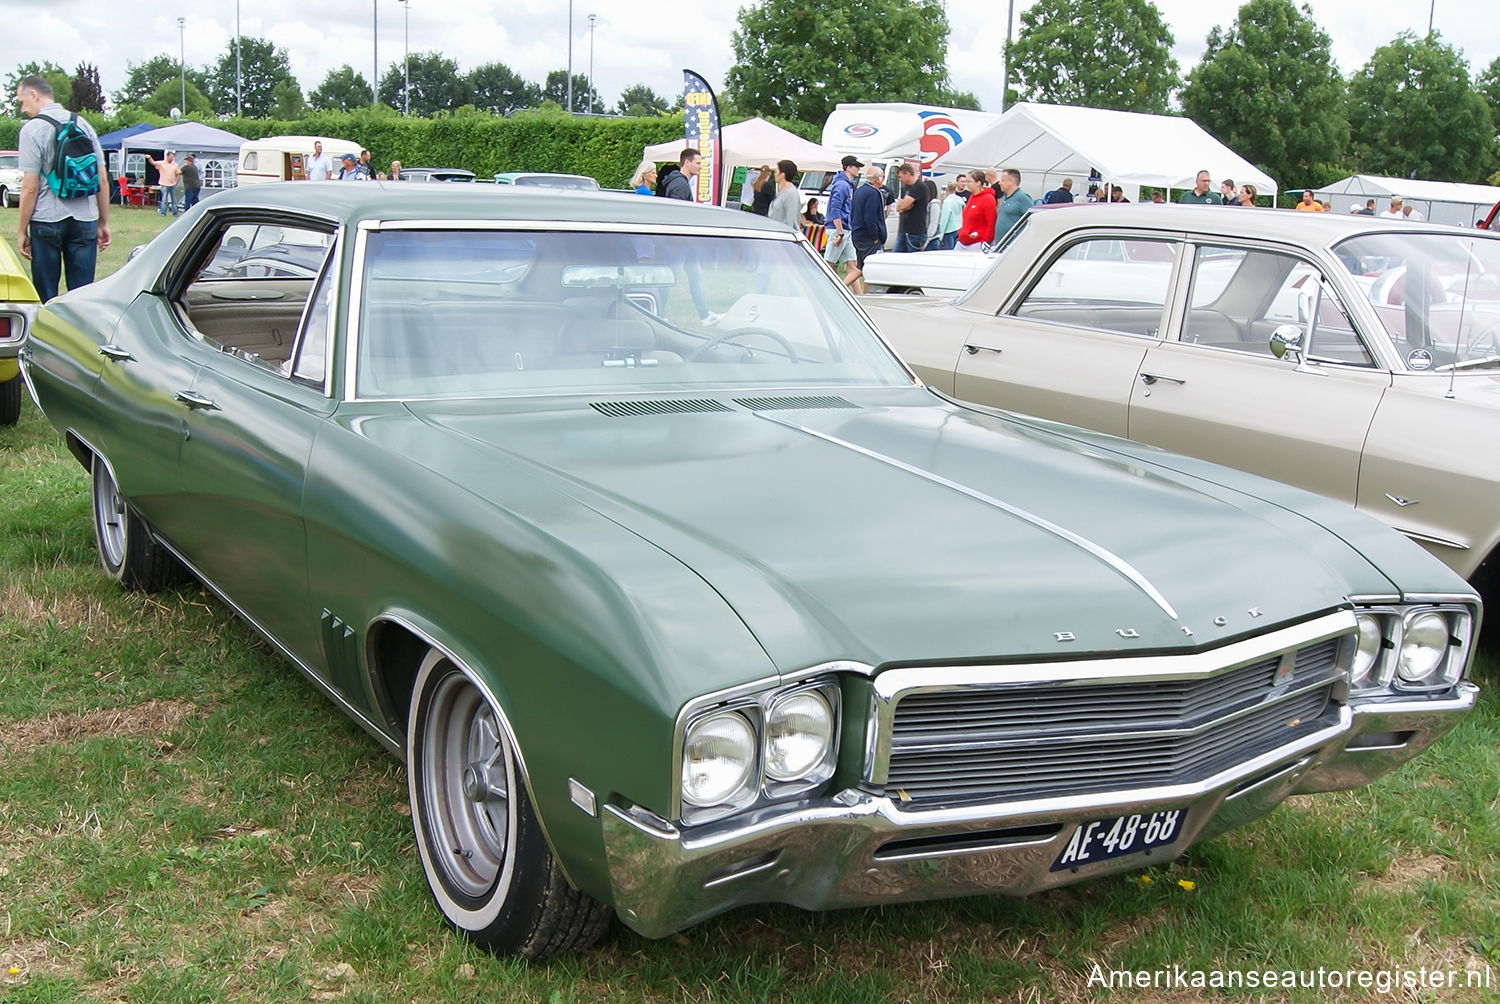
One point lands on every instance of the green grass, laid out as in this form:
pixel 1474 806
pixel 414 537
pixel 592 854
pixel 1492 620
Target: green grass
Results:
pixel 184 818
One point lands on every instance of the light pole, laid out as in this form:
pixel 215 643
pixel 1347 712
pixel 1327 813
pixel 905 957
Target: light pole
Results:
pixel 570 57
pixel 1010 13
pixel 406 62
pixel 182 61
pixel 239 108
pixel 374 55
pixel 591 64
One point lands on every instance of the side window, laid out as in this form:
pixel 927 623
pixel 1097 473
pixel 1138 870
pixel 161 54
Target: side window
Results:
pixel 312 346
pixel 1241 297
pixel 1108 284
pixel 248 289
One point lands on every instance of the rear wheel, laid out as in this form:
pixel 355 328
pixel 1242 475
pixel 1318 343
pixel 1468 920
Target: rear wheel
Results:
pixel 482 849
pixel 10 401
pixel 127 550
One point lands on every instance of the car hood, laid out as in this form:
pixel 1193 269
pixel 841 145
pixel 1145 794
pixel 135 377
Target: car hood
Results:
pixel 902 528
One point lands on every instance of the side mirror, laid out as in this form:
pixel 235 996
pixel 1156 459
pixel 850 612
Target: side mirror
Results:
pixel 1287 338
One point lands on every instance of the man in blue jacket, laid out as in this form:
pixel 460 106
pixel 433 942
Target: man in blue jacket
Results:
pixel 867 223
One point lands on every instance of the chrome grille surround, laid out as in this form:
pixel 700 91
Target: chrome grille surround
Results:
pixel 948 736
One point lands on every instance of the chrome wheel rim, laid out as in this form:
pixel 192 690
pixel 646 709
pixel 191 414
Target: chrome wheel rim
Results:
pixel 109 516
pixel 466 777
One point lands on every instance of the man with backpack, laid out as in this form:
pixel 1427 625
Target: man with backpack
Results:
pixel 64 214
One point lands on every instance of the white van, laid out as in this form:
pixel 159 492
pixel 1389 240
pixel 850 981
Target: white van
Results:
pixel 285 158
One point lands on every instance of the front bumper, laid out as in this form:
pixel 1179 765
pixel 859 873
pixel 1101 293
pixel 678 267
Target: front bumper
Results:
pixel 858 849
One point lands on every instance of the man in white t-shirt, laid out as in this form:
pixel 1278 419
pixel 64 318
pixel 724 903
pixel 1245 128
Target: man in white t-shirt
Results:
pixel 320 168
pixel 1393 213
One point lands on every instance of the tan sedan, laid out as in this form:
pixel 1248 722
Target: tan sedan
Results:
pixel 1353 356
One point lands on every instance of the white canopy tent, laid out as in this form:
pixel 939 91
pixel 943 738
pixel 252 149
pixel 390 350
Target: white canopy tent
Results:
pixel 217 151
pixel 752 143
pixel 1439 201
pixel 1047 143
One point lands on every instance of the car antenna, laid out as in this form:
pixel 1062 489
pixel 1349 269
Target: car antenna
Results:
pixel 1458 333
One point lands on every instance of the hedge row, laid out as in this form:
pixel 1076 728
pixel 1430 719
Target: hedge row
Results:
pixel 604 148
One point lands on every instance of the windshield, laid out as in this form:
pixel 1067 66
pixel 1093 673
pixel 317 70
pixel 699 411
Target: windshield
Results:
pixel 455 313
pixel 1437 295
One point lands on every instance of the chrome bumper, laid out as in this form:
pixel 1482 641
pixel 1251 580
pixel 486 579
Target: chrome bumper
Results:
pixel 858 849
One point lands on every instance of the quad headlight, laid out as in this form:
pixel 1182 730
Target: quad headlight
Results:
pixel 769 746
pixel 719 756
pixel 799 735
pixel 1419 648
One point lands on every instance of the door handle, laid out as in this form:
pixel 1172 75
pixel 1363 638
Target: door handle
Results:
pixel 196 400
pixel 1150 378
pixel 974 350
pixel 116 353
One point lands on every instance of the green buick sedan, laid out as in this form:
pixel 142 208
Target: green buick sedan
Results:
pixel 675 589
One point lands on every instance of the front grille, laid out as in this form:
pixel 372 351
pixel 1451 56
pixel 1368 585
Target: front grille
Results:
pixel 1040 740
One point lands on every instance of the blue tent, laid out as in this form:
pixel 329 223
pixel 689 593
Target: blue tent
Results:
pixel 111 140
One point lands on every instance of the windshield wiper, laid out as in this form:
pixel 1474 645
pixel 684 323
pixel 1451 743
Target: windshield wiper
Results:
pixel 1469 364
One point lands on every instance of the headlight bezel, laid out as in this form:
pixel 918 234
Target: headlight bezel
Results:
pixel 1396 623
pixel 754 705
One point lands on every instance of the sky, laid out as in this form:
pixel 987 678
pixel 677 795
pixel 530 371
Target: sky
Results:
pixel 647 43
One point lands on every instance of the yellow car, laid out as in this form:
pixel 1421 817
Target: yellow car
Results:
pixel 18 303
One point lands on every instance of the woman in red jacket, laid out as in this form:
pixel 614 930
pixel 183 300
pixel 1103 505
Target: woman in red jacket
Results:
pixel 978 226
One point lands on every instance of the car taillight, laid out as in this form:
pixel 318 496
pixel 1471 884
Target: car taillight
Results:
pixel 5 325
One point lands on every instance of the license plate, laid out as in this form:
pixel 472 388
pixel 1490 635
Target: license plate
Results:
pixel 1117 836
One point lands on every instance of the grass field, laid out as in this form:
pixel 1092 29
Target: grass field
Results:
pixel 184 818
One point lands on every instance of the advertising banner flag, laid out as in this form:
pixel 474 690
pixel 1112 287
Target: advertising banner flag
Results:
pixel 700 113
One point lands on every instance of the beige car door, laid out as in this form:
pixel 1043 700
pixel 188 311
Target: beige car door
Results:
pixel 1218 392
pixel 1070 348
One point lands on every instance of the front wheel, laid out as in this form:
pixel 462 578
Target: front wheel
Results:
pixel 127 550
pixel 482 849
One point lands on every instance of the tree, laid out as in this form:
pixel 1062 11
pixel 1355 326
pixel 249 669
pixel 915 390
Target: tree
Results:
pixel 142 80
pixel 262 66
pixel 88 95
pixel 1100 53
pixel 585 98
pixel 169 95
pixel 1488 86
pixel 435 84
pixel 1413 112
pixel 497 89
pixel 290 105
pixel 343 90
pixel 62 84
pixel 1268 89
pixel 640 100
pixel 799 58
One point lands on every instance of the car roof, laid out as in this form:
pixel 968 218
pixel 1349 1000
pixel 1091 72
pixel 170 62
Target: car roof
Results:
pixel 1309 229
pixel 394 200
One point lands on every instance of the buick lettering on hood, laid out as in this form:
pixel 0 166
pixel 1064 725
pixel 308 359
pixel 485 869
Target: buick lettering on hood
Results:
pixel 675 590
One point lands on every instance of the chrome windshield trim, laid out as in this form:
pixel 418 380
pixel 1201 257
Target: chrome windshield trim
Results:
pixel 355 309
pixel 892 685
pixel 1114 561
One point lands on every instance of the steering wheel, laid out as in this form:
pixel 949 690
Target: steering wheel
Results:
pixel 724 336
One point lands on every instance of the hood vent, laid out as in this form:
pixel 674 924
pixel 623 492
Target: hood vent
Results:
pixel 793 403
pixel 621 409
